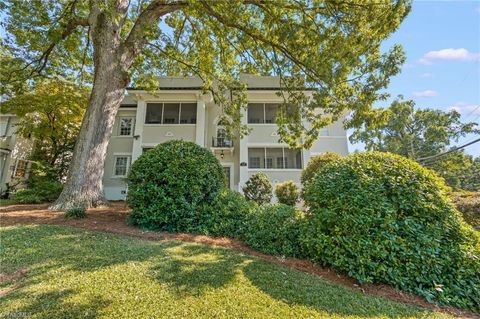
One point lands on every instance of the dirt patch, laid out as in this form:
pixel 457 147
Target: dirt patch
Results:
pixel 113 220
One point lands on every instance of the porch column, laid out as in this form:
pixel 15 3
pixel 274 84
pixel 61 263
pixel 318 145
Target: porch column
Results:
pixel 306 157
pixel 200 126
pixel 243 151
pixel 138 132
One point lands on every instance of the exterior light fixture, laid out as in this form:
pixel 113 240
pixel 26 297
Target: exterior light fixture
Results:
pixel 222 155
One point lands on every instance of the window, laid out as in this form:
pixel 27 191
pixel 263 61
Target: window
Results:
pixel 154 113
pixel 293 158
pixel 262 113
pixel 125 128
pixel 171 113
pixel 188 113
pixel 256 158
pixel 146 149
pixel 274 158
pixel 270 113
pixel 20 169
pixel 122 164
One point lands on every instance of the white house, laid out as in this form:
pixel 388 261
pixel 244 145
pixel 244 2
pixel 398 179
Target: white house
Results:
pixel 179 110
pixel 14 153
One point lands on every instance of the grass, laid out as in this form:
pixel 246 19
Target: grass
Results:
pixel 72 273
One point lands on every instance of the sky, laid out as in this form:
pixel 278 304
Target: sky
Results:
pixel 441 40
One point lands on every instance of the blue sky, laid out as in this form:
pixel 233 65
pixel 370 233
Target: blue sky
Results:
pixel 442 43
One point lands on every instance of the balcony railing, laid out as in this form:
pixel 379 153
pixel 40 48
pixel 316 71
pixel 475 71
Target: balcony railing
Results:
pixel 221 142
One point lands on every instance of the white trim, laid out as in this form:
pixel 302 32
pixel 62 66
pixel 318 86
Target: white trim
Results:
pixel 139 122
pixel 119 126
pixel 169 124
pixel 129 163
pixel 274 145
pixel 149 144
pixel 122 154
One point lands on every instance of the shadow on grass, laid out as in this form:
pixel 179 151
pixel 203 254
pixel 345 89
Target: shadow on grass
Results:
pixel 186 269
pixel 54 305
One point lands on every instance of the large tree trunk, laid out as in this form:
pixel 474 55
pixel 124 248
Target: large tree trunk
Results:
pixel 84 186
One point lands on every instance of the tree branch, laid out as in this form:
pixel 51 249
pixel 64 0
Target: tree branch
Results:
pixel 136 39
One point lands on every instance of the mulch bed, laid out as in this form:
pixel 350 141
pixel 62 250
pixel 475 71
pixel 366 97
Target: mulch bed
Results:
pixel 113 220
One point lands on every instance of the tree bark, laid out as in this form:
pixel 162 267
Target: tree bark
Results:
pixel 84 187
pixel 112 60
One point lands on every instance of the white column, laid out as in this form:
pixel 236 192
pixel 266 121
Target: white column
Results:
pixel 138 133
pixel 243 151
pixel 200 126
pixel 306 157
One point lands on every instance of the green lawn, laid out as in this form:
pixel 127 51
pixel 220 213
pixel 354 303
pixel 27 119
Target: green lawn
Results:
pixel 73 273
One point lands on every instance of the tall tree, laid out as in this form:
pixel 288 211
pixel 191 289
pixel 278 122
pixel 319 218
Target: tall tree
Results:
pixel 418 133
pixel 332 46
pixel 51 114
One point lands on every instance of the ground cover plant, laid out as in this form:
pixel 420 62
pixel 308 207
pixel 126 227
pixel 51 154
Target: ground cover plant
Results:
pixel 63 272
pixel 383 218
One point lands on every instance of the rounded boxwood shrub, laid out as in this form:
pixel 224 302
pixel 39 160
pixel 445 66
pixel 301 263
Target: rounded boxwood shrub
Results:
pixel 226 216
pixel 169 186
pixel 258 189
pixel 275 229
pixel 315 164
pixel 287 193
pixel 384 218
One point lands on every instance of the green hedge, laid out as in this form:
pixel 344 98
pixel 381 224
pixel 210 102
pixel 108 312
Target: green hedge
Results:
pixel 227 216
pixel 315 164
pixel 170 185
pixel 275 229
pixel 39 189
pixel 383 218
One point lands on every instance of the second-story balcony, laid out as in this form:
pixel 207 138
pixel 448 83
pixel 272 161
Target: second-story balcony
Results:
pixel 221 142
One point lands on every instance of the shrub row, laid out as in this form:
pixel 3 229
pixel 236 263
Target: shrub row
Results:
pixel 468 203
pixel 378 217
pixel 39 190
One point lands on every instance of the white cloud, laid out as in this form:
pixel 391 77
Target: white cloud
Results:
pixel 466 109
pixel 450 54
pixel 426 75
pixel 426 93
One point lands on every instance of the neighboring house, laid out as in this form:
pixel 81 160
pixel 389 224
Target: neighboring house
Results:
pixel 179 110
pixel 14 152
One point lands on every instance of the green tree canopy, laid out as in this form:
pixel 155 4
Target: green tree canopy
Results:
pixel 51 114
pixel 414 133
pixel 419 133
pixel 331 47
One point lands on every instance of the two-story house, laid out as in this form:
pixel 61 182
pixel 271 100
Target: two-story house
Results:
pixel 14 153
pixel 179 110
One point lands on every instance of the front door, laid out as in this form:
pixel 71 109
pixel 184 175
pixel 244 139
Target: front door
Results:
pixel 227 170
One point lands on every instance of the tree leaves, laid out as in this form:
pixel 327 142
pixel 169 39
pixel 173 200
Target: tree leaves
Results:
pixel 332 48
